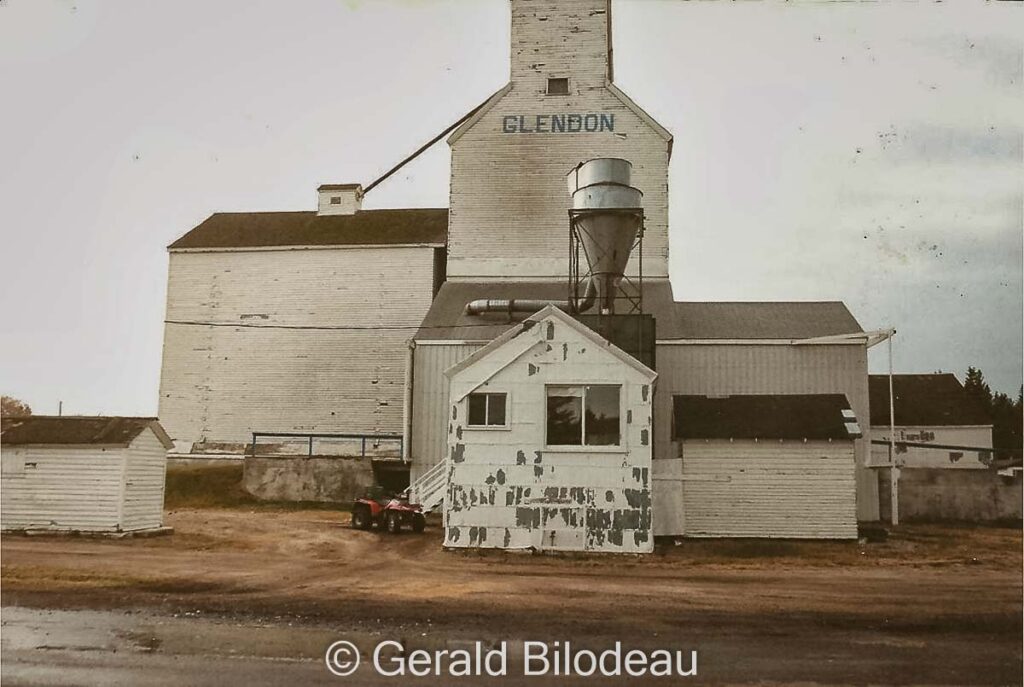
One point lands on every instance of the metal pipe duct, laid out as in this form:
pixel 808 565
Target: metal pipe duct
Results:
pixel 492 305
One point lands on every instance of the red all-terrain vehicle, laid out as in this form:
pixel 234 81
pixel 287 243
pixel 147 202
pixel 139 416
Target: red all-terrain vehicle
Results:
pixel 387 511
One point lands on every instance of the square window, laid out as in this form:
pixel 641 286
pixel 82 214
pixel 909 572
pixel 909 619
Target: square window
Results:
pixel 487 410
pixel 335 200
pixel 583 415
pixel 558 86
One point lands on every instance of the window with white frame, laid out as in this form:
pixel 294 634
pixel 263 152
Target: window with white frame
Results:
pixel 583 415
pixel 487 410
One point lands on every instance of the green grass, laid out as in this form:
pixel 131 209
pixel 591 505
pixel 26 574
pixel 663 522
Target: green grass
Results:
pixel 220 486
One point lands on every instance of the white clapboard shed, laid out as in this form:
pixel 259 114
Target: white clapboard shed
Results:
pixel 760 466
pixel 82 474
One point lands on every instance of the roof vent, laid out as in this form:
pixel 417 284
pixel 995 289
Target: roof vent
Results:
pixel 339 199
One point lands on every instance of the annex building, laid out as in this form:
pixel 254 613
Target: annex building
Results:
pixel 547 398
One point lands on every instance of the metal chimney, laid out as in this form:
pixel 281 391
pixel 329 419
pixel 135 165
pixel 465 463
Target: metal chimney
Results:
pixel 607 214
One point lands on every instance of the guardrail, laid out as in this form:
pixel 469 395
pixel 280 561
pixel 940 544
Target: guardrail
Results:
pixel 310 438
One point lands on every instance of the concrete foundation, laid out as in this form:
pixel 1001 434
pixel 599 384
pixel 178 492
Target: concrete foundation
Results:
pixel 303 478
pixel 939 494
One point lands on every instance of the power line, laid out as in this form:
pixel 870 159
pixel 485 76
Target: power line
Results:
pixel 314 327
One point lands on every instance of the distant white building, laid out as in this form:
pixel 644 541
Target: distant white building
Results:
pixel 82 474
pixel 929 409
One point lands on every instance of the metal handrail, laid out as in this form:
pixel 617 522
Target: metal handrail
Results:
pixel 310 436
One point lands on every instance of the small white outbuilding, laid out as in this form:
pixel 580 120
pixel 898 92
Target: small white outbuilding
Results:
pixel 82 474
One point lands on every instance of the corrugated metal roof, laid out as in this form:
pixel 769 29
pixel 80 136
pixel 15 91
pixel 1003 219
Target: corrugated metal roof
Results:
pixel 447 319
pixel 75 430
pixel 768 416
pixel 269 229
pixel 924 400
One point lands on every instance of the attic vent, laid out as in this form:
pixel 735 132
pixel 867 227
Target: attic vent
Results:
pixel 558 86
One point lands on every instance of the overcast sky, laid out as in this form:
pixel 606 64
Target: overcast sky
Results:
pixel 865 152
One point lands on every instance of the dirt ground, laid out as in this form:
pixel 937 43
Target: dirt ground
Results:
pixel 936 605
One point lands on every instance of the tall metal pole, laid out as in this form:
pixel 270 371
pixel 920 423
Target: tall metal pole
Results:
pixel 894 471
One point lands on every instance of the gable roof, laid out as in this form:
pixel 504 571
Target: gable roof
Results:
pixel 628 102
pixel 307 228
pixel 924 400
pixel 675 321
pixel 769 416
pixel 78 430
pixel 550 312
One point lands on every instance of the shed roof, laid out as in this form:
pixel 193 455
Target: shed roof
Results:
pixel 924 400
pixel 769 416
pixel 447 319
pixel 307 228
pixel 78 430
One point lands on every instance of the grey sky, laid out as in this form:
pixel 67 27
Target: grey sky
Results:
pixel 863 152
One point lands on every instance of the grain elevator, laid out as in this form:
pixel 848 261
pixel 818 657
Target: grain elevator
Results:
pixel 551 392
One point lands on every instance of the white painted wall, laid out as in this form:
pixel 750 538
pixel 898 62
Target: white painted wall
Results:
pixel 509 199
pixel 83 488
pixel 769 369
pixel 219 384
pixel 916 457
pixel 144 483
pixel 783 489
pixel 501 478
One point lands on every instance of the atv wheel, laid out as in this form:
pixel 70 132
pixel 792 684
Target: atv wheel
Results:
pixel 361 519
pixel 418 523
pixel 394 523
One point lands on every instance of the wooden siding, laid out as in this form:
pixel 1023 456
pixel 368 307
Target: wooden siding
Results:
pixel 144 481
pixel 560 38
pixel 753 369
pixel 61 488
pixel 219 384
pixel 430 403
pixel 509 201
pixel 769 489
pixel 508 489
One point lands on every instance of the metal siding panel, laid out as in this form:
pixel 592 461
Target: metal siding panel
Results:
pixel 430 402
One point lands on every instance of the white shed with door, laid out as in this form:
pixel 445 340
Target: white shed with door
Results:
pixel 760 466
pixel 84 474
pixel 549 442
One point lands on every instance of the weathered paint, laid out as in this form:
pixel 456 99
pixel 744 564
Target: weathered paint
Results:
pixel 747 488
pixel 561 498
pixel 84 488
pixel 501 226
pixel 220 383
pixel 917 457
pixel 768 369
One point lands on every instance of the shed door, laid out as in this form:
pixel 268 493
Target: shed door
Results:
pixel 770 489
pixel 668 497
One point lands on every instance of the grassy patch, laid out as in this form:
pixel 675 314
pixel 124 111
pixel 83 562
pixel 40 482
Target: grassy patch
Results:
pixel 220 486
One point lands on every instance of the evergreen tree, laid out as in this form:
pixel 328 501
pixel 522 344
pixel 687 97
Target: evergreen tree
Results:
pixel 978 389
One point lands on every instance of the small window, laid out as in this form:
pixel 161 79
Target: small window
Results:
pixel 335 200
pixel 583 415
pixel 487 410
pixel 558 86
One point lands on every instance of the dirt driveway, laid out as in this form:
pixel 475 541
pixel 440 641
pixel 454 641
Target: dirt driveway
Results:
pixel 930 606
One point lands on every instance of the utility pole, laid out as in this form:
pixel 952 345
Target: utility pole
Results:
pixel 894 471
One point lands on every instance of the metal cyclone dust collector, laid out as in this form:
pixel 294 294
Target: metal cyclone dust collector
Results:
pixel 606 214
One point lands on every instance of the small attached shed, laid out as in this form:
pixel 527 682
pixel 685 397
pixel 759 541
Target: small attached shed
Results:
pixel 549 442
pixel 84 474
pixel 760 466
